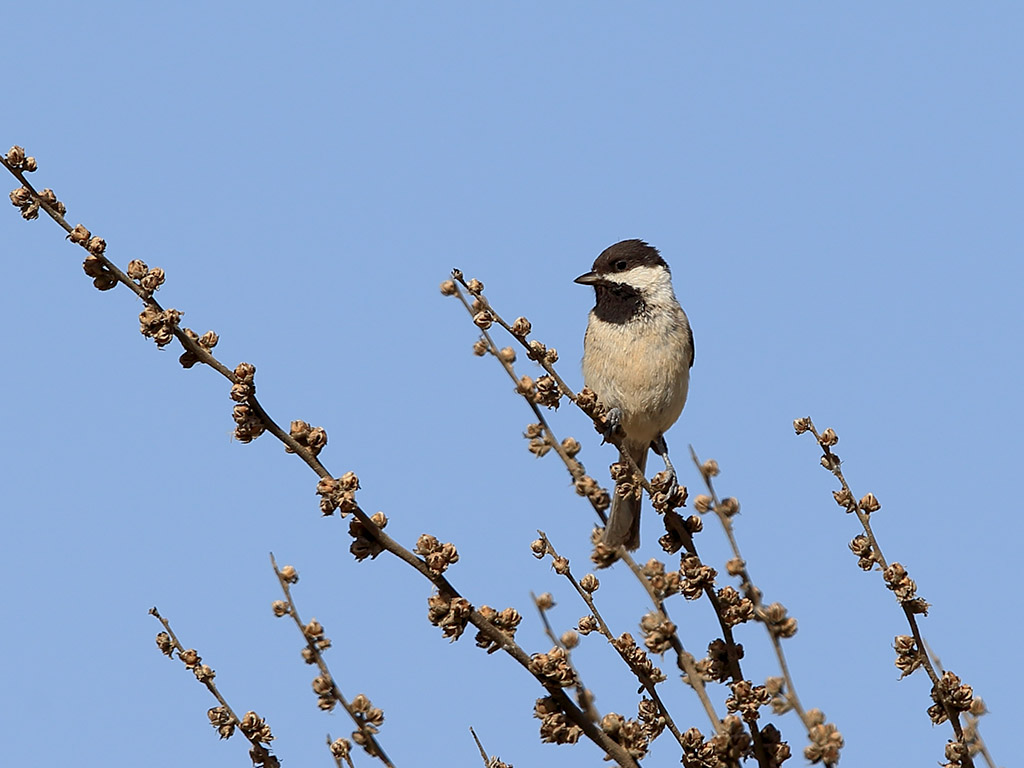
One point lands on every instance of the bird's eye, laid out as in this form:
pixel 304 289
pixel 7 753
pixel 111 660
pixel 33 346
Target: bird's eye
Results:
pixel 620 265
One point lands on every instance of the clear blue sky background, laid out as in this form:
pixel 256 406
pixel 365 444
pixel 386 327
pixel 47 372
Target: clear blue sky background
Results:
pixel 837 189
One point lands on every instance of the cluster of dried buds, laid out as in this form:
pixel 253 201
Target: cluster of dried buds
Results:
pixel 781 702
pixel 222 721
pixel 555 726
pixel 341 749
pixel 149 280
pixel 696 577
pixel 720 661
pixel 631 735
pixel 658 632
pixel 592 490
pixel 908 657
pixel 255 728
pixel 734 608
pixel 727 747
pixel 95 264
pixel 365 543
pixel 867 504
pixel 662 581
pixel 338 493
pixel 826 740
pixel 159 325
pixel 370 719
pixel 897 579
pixel 542 391
pixel 637 658
pixel 248 424
pixel 506 621
pixel 587 624
pixel 776 618
pixel 747 699
pixel 17 160
pixel 190 658
pixel 539 443
pixel 553 668
pixel 860 545
pixel 207 342
pixel 451 614
pixel 950 693
pixel 313 439
pixel 667 495
pixel 22 197
pixel 436 555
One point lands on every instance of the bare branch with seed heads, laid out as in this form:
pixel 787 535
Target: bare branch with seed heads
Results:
pixel 949 695
pixel 306 442
pixel 773 617
pixel 222 717
pixel 367 718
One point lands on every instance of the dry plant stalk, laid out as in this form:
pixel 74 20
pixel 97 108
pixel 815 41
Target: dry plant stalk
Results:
pixel 448 609
pixel 367 718
pixel 825 738
pixel 222 717
pixel 950 696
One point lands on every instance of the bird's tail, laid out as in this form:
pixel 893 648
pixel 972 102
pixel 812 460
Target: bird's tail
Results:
pixel 623 528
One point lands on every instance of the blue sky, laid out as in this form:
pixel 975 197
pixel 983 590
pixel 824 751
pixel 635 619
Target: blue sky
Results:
pixel 837 190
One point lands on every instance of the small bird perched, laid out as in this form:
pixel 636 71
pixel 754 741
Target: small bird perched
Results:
pixel 637 356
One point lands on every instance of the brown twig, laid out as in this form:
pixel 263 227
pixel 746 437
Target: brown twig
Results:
pixel 908 603
pixel 252 726
pixel 487 630
pixel 368 739
pixel 752 592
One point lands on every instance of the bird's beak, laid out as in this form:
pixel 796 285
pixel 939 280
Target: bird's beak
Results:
pixel 590 278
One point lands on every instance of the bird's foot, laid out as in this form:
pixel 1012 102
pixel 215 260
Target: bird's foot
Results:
pixel 612 424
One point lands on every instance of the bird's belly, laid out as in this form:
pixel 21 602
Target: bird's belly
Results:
pixel 646 376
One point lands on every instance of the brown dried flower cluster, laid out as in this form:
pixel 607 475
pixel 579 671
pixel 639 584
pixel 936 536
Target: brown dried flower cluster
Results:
pixel 908 657
pixel 696 576
pixel 602 556
pixel 631 735
pixel 436 555
pixel 778 622
pixel 667 495
pixel 664 583
pixel 159 325
pixel 221 720
pixel 165 644
pixel 553 668
pixel 826 740
pixel 587 624
pixel 903 586
pixel 207 341
pixel 598 496
pixel 952 693
pixel 257 731
pixel 338 494
pixel 727 747
pixel 364 543
pixel 17 159
pixel 370 719
pixel 717 665
pixel 313 439
pixel 539 445
pixel 341 749
pixel 555 726
pixel 637 658
pixel 248 424
pixel 658 632
pixel 451 614
pixel 747 699
pixel 860 545
pixel 148 279
pixel 735 609
pixel 507 621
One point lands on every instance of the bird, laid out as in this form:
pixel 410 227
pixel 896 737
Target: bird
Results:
pixel 637 355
